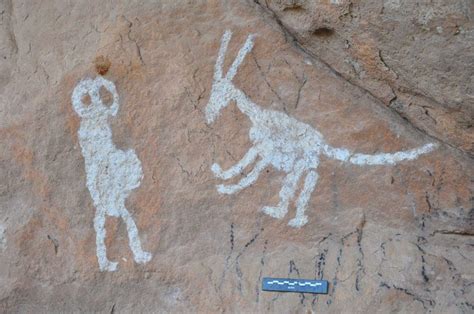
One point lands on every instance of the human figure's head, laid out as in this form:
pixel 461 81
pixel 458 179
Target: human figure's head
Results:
pixel 91 88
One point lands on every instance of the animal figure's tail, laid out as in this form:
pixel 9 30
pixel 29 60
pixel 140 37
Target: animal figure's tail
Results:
pixel 377 159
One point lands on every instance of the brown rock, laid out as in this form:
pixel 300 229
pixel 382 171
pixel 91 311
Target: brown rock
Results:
pixel 414 57
pixel 389 238
pixel 102 65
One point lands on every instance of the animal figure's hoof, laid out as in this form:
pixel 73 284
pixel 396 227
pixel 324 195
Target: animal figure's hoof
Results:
pixel 143 258
pixel 216 169
pixel 298 222
pixel 274 211
pixel 108 266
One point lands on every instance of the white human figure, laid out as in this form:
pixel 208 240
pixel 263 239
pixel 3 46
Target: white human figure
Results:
pixel 111 173
pixel 281 141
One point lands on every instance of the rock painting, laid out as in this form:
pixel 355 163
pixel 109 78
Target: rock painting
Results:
pixel 282 142
pixel 3 239
pixel 111 173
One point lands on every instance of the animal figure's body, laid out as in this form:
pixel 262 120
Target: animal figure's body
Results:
pixel 281 141
pixel 111 173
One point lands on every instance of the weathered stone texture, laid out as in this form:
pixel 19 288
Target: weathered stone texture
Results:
pixel 412 56
pixel 393 238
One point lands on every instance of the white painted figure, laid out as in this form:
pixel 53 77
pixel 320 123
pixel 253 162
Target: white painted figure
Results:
pixel 3 239
pixel 111 173
pixel 281 141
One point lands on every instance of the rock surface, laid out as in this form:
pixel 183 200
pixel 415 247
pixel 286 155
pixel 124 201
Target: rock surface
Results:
pixel 388 238
pixel 412 56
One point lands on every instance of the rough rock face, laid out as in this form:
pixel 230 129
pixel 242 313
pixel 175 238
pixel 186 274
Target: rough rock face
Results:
pixel 413 56
pixel 389 236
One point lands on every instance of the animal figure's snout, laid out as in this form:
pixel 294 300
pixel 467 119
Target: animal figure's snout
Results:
pixel 221 95
pixel 213 106
pixel 211 114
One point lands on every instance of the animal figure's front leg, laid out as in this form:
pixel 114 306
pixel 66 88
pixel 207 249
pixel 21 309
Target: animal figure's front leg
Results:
pixel 309 184
pixel 139 255
pixel 245 182
pixel 249 157
pixel 99 226
pixel 286 193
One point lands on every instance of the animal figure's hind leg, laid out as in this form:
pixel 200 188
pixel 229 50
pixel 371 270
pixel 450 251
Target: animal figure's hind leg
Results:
pixel 99 226
pixel 309 185
pixel 139 255
pixel 286 193
pixel 249 157
pixel 245 182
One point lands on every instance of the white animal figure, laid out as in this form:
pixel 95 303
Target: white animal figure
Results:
pixel 281 141
pixel 111 173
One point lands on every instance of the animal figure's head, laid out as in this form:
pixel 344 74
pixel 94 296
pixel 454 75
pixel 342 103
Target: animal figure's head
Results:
pixel 223 90
pixel 95 106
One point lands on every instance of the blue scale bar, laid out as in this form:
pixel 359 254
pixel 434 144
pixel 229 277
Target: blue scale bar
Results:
pixel 295 285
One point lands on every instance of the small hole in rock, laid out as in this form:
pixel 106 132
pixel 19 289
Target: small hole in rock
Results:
pixel 323 32
pixel 294 7
pixel 106 96
pixel 102 64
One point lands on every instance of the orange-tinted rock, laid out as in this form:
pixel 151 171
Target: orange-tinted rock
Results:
pixel 389 237
pixel 415 58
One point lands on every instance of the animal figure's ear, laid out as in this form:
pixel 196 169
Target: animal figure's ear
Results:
pixel 218 68
pixel 246 48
